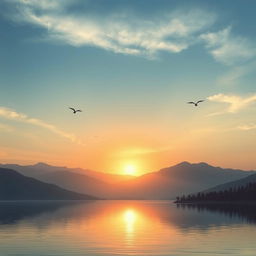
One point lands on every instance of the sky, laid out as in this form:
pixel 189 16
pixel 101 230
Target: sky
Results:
pixel 131 66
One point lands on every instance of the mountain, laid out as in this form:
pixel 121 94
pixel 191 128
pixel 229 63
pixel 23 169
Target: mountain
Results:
pixel 106 177
pixel 182 178
pixel 40 169
pixel 77 182
pixel 68 178
pixel 76 179
pixel 234 184
pixel 28 170
pixel 167 183
pixel 15 186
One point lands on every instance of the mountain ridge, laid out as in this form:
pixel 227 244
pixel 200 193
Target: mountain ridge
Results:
pixel 15 186
pixel 232 184
pixel 166 183
pixel 42 168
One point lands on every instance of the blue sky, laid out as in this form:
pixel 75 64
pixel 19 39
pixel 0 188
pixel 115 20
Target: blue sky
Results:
pixel 131 66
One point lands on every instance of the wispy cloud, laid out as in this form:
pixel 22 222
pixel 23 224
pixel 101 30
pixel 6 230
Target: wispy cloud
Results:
pixel 235 102
pixel 247 127
pixel 42 4
pixel 235 74
pixel 132 34
pixel 118 33
pixel 142 151
pixel 228 48
pixel 20 117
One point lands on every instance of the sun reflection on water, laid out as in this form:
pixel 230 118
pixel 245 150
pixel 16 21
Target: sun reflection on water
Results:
pixel 130 218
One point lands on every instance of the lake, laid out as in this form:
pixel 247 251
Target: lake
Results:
pixel 99 228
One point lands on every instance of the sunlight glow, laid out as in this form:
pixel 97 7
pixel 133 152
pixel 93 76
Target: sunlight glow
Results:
pixel 130 169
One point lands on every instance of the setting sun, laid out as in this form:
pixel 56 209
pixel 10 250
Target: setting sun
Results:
pixel 130 169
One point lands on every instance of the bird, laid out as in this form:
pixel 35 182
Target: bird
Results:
pixel 195 103
pixel 75 110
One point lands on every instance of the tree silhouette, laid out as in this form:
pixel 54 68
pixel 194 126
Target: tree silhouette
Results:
pixel 242 193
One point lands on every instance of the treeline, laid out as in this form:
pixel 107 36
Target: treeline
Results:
pixel 243 193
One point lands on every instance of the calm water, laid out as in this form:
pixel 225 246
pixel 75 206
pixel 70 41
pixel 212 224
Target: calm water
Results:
pixel 125 228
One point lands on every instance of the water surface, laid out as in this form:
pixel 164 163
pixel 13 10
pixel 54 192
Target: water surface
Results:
pixel 125 228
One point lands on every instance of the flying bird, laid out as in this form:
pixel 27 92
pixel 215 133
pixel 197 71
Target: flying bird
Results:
pixel 75 110
pixel 195 103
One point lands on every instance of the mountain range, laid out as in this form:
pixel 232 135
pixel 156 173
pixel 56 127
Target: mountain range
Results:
pixel 167 183
pixel 40 169
pixel 15 186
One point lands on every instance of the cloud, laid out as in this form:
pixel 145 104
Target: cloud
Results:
pixel 132 152
pixel 42 4
pixel 236 103
pixel 247 127
pixel 228 48
pixel 120 33
pixel 235 74
pixel 133 34
pixel 20 117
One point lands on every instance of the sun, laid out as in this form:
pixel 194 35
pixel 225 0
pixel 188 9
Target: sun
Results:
pixel 130 169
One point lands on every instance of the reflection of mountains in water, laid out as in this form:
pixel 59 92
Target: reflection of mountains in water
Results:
pixel 243 211
pixel 11 212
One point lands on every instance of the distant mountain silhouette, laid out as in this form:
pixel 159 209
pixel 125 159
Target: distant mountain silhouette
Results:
pixel 76 179
pixel 78 182
pixel 167 183
pixel 42 169
pixel 179 179
pixel 233 184
pixel 15 186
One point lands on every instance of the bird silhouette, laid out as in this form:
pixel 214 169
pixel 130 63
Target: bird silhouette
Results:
pixel 195 103
pixel 75 110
